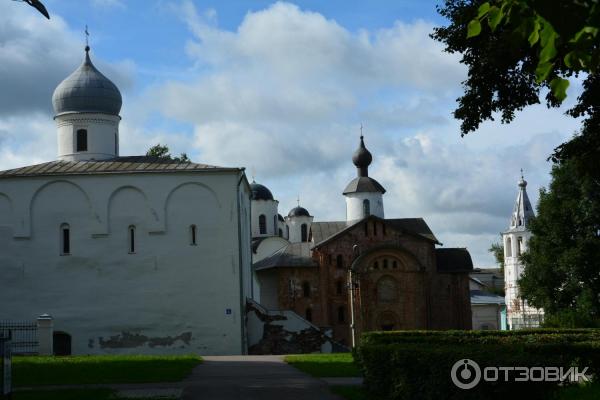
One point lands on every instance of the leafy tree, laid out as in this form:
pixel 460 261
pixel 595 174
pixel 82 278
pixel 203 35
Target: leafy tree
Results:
pixel 515 48
pixel 162 152
pixel 562 264
pixel 497 249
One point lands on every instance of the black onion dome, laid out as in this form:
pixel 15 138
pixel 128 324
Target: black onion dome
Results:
pixel 298 212
pixel 280 217
pixel 87 90
pixel 260 192
pixel 362 157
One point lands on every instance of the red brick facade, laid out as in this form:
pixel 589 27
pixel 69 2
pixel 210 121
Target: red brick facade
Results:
pixel 398 283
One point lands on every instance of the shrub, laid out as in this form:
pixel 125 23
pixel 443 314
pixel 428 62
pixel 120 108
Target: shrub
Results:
pixel 417 364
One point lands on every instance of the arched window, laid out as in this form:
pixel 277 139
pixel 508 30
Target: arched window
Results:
pixel 287 232
pixel 341 314
pixel 366 207
pixel 508 247
pixel 306 289
pixel 339 287
pixel 82 144
pixel 193 234
pixel 366 229
pixel 280 232
pixel 519 245
pixel 376 265
pixel 329 259
pixel 65 239
pixel 131 230
pixel 395 264
pixel 385 263
pixel 304 232
pixel 383 228
pixel 387 290
pixel 340 261
pixel 274 224
pixel 116 144
pixel 308 314
pixel 262 224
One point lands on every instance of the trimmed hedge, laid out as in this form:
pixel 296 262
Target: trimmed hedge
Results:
pixel 417 364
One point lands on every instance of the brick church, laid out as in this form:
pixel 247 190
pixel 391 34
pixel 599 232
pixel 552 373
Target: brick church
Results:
pixel 383 274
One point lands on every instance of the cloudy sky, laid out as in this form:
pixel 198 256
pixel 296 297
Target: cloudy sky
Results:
pixel 282 88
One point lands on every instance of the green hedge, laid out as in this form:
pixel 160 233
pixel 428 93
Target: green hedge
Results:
pixel 417 364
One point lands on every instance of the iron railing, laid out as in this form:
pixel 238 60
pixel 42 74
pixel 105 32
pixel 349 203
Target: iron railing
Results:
pixel 24 336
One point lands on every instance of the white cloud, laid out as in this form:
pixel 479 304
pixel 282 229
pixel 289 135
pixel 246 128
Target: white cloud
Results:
pixel 284 95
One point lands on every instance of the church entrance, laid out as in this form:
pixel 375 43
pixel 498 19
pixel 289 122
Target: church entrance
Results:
pixel 388 321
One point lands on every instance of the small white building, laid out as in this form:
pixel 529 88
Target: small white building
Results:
pixel 127 254
pixel 519 313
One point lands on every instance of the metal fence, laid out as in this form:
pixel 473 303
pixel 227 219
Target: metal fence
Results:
pixel 24 336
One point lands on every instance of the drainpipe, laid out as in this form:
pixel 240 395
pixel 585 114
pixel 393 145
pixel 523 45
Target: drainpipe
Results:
pixel 241 269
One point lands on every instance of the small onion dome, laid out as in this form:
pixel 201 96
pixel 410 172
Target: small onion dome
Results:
pixel 522 183
pixel 298 212
pixel 362 157
pixel 87 90
pixel 260 192
pixel 280 217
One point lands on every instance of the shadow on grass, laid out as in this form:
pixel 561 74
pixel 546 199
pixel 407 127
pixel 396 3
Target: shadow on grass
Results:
pixel 75 370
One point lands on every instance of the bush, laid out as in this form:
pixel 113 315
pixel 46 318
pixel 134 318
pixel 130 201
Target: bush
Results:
pixel 417 364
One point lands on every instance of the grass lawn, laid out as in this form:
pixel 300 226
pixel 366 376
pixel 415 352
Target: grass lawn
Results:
pixel 72 394
pixel 38 370
pixel 351 392
pixel 325 365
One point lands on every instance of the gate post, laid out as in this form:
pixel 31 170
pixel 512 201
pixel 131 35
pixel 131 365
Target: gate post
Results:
pixel 45 328
pixel 5 367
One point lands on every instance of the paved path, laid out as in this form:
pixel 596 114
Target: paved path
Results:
pixel 252 377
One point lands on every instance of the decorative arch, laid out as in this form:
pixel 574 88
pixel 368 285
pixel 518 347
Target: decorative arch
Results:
pixel 399 252
pixel 508 247
pixel 87 206
pixel 121 189
pixel 177 188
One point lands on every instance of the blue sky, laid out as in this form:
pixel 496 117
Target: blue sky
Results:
pixel 281 88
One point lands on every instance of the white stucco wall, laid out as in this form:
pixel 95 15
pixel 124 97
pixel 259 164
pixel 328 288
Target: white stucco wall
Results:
pixel 166 292
pixel 102 136
pixel 354 205
pixel 268 208
pixel 295 225
pixel 486 316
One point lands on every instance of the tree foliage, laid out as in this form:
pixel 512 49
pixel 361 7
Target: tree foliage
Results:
pixel 515 48
pixel 497 249
pixel 162 152
pixel 562 264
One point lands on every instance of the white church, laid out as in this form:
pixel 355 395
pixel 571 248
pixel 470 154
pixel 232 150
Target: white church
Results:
pixel 127 254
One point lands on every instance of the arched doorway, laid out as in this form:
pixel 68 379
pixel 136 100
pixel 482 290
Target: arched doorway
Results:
pixel 61 344
pixel 388 321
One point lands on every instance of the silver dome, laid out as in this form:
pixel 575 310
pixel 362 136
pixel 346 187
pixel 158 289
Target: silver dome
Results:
pixel 87 90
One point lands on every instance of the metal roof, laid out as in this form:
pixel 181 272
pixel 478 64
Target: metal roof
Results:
pixel 260 192
pixel 481 297
pixel 87 90
pixel 132 164
pixel 292 255
pixel 362 184
pixel 453 260
pixel 323 232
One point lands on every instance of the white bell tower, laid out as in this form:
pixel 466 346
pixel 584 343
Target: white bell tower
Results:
pixel 519 314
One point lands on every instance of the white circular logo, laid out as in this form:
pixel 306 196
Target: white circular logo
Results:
pixel 465 374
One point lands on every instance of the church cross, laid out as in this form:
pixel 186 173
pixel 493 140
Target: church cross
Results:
pixel 87 35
